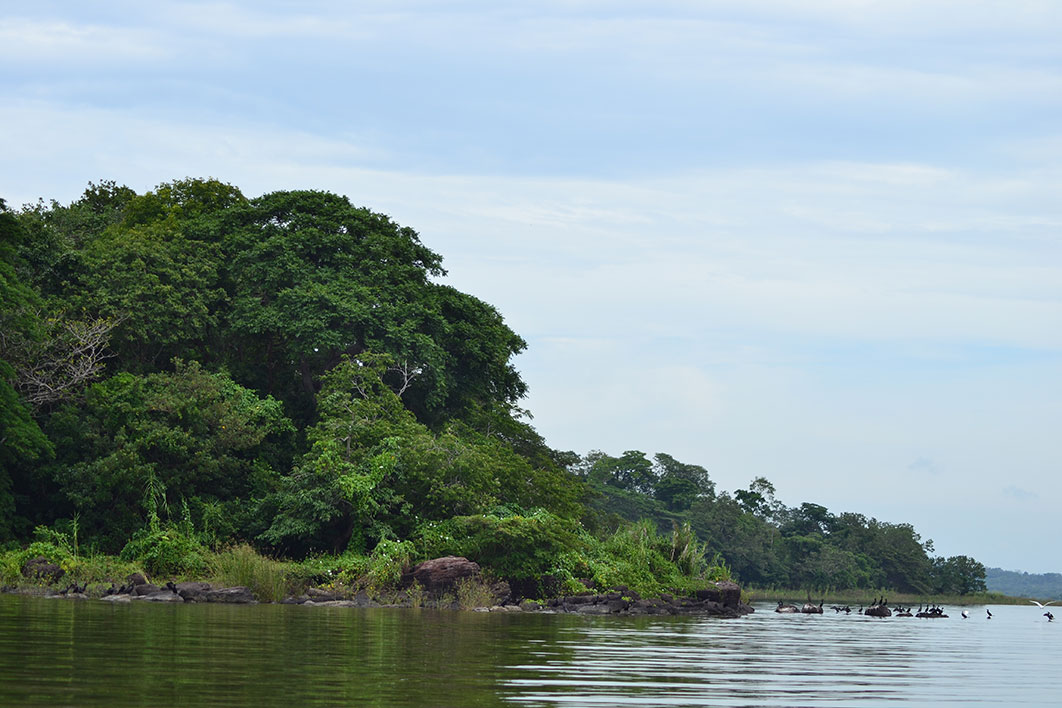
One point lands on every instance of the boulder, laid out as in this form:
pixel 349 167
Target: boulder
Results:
pixel 238 595
pixel 724 592
pixel 320 595
pixel 192 591
pixel 146 589
pixel 40 568
pixel 441 573
pixel 136 579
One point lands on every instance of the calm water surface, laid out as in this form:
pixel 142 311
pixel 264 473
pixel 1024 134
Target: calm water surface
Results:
pixel 70 653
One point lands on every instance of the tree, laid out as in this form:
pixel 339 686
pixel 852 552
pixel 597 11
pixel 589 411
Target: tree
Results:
pixel 959 575
pixel 759 499
pixel 631 471
pixel 375 472
pixel 161 289
pixel 21 439
pixel 313 278
pixel 679 484
pixel 142 446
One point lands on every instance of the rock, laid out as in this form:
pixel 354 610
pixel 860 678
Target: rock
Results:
pixel 724 592
pixel 320 595
pixel 40 568
pixel 159 596
pixel 136 579
pixel 441 573
pixel 501 592
pixel 192 591
pixel 146 589
pixel 529 606
pixel 237 595
pixel 118 598
pixel 592 609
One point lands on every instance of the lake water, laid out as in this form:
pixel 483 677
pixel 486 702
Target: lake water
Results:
pixel 86 653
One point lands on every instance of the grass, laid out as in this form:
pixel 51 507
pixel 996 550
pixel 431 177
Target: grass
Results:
pixel 269 580
pixel 472 593
pixel 861 596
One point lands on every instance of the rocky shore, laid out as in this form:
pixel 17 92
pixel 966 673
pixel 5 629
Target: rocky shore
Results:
pixel 433 584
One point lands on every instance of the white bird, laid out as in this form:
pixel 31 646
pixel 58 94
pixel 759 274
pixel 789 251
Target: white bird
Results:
pixel 965 614
pixel 1042 606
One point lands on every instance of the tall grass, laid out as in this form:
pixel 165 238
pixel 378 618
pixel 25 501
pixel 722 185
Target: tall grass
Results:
pixel 865 596
pixel 268 579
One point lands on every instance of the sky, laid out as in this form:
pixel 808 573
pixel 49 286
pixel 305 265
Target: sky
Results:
pixel 816 241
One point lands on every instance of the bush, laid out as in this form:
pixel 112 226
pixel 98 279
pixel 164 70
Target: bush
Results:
pixel 268 579
pixel 522 549
pixel 166 551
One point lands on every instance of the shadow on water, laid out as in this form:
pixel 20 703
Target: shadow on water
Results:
pixel 60 652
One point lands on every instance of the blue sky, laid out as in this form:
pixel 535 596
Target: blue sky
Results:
pixel 816 241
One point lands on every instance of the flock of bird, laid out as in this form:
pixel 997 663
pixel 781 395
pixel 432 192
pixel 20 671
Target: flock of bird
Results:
pixel 880 608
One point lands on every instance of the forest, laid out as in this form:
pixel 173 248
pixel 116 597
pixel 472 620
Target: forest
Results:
pixel 190 370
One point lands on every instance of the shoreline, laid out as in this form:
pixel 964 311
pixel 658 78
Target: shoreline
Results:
pixel 722 601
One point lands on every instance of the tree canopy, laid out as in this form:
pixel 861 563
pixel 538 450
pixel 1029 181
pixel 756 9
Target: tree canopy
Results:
pixel 292 371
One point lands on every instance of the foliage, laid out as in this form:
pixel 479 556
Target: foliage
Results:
pixel 152 441
pixel 289 371
pixel 240 564
pixel 21 439
pixel 472 593
pixel 166 551
pixel 959 575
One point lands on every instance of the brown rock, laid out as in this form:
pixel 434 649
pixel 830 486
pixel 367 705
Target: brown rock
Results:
pixel 136 579
pixel 40 568
pixel 441 573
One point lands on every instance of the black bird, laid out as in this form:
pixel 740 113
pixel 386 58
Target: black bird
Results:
pixel 989 613
pixel 171 587
pixel 1050 617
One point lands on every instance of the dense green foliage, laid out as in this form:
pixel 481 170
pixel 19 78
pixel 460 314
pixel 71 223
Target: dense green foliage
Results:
pixel 189 378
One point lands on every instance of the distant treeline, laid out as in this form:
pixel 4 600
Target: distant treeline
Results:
pixel 190 368
pixel 1045 586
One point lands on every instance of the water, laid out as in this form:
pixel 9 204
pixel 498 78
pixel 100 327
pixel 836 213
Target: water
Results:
pixel 69 653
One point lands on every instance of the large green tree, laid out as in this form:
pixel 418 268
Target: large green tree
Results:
pixel 313 278
pixel 21 439
pixel 142 446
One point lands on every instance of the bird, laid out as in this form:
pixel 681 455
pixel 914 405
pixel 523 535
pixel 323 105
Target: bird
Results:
pixel 965 614
pixel 1041 605
pixel 1050 617
pixel 989 613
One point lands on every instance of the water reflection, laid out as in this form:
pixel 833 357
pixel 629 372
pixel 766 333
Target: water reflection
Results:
pixel 784 660
pixel 58 652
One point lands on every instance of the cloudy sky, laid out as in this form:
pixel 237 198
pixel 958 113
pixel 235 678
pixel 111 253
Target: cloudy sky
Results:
pixel 816 241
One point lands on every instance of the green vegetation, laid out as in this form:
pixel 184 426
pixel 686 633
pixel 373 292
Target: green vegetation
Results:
pixel 277 392
pixel 1043 586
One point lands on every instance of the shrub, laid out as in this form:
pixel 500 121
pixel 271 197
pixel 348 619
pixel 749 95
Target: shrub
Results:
pixel 522 549
pixel 242 565
pixel 166 551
